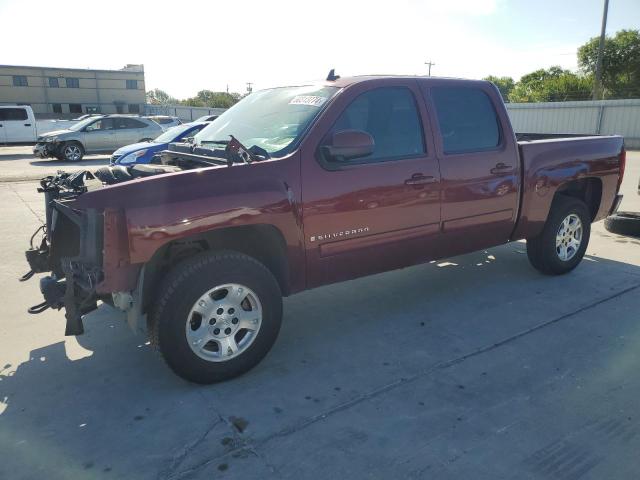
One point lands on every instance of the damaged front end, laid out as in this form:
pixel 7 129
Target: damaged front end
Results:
pixel 70 247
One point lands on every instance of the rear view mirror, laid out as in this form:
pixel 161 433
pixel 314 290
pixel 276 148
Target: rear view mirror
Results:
pixel 349 144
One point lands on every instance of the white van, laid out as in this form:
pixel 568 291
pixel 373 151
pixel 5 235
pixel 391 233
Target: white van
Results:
pixel 17 124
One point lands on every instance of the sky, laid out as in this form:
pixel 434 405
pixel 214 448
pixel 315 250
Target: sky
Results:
pixel 188 46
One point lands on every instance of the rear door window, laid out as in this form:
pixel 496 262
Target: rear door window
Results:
pixel 129 123
pixel 467 119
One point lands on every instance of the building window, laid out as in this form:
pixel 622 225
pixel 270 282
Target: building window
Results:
pixel 20 81
pixel 132 84
pixel 134 108
pixel 119 108
pixel 92 109
pixel 53 82
pixel 57 108
pixel 75 107
pixel 73 83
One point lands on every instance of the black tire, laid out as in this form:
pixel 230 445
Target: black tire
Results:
pixel 624 223
pixel 184 286
pixel 69 149
pixel 113 174
pixel 542 251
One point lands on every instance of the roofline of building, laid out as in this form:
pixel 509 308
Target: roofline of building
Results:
pixel 75 69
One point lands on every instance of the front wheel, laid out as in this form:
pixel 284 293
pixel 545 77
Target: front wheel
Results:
pixel 72 152
pixel 218 316
pixel 564 238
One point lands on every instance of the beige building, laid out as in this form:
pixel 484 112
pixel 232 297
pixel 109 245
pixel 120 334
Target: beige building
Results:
pixel 69 92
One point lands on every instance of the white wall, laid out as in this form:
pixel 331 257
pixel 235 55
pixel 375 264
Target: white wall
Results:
pixel 605 117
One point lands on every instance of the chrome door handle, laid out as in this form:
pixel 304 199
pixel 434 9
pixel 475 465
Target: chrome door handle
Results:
pixel 500 168
pixel 419 179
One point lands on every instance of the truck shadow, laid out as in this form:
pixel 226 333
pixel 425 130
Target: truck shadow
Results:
pixel 83 409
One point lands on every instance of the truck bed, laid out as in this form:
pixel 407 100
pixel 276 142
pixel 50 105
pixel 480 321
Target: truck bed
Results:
pixel 548 160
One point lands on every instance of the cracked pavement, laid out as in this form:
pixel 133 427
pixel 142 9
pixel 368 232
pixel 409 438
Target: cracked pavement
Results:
pixel 477 367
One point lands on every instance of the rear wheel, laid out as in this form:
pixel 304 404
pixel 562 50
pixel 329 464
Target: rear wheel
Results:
pixel 217 317
pixel 72 152
pixel 564 238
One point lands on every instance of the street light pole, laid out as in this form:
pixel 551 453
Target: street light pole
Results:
pixel 597 87
pixel 430 63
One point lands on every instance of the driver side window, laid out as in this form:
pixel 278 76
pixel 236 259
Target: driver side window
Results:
pixel 102 124
pixel 390 116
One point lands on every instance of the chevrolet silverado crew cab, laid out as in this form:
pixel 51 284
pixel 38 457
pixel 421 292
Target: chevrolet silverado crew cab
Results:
pixel 297 187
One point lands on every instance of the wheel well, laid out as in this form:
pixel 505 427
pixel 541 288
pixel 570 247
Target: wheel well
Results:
pixel 265 243
pixel 68 142
pixel 589 190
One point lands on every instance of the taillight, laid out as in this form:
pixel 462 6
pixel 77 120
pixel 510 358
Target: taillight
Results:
pixel 623 163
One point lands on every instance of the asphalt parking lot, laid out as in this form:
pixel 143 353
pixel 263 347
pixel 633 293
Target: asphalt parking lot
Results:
pixel 476 367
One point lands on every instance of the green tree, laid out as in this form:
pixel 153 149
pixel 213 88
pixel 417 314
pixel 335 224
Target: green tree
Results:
pixel 620 63
pixel 551 85
pixel 208 98
pixel 160 97
pixel 504 84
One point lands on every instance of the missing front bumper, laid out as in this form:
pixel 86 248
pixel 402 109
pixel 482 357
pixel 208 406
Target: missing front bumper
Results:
pixel 71 249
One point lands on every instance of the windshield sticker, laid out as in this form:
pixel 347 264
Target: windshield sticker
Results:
pixel 311 100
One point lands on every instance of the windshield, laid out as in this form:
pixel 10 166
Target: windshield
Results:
pixel 271 119
pixel 174 133
pixel 82 123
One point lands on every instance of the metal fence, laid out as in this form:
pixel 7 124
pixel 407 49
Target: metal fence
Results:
pixel 604 117
pixel 186 114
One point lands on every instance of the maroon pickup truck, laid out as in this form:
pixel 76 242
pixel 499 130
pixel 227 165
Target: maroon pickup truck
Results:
pixel 298 187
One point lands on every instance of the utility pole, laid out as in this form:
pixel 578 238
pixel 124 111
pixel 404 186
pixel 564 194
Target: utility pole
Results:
pixel 430 63
pixel 597 86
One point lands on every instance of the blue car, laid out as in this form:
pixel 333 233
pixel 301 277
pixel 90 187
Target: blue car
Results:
pixel 143 152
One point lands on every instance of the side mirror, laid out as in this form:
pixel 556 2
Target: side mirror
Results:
pixel 349 144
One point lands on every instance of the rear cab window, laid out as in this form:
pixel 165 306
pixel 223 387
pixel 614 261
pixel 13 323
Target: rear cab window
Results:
pixel 15 114
pixel 467 119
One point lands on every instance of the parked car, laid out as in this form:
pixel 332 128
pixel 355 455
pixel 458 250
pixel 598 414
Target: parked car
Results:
pixel 297 187
pixel 165 121
pixel 207 118
pixel 143 152
pixel 95 135
pixel 17 124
